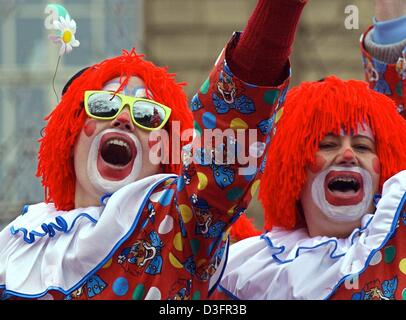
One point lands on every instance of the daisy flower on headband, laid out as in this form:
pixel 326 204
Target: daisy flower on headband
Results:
pixel 66 28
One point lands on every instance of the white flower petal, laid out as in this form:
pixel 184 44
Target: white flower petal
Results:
pixel 68 48
pixel 57 25
pixel 63 21
pixel 75 43
pixel 63 49
pixel 72 26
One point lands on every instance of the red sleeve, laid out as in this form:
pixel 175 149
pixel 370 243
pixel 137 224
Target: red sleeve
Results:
pixel 261 56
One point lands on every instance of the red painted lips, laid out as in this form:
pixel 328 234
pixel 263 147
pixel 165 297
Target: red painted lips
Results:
pixel 344 188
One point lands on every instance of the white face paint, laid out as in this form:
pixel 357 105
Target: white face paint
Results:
pixel 343 211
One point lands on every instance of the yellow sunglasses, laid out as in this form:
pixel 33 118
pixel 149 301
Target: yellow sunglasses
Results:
pixel 106 105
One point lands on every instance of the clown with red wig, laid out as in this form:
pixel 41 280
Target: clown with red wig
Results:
pixel 331 162
pixel 118 224
pixel 334 187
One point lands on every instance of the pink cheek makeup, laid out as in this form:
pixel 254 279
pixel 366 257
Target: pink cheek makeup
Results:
pixel 89 127
pixel 376 165
pixel 318 165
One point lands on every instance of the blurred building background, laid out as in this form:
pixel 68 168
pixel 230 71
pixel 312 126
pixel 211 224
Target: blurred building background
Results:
pixel 186 35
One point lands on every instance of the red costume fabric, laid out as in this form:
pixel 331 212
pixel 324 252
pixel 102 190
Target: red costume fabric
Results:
pixel 262 54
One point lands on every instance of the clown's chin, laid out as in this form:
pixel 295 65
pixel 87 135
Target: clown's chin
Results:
pixel 114 160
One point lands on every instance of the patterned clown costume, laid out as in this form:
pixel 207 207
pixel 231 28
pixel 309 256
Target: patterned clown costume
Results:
pixel 162 237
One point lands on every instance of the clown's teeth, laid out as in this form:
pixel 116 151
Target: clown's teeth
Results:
pixel 120 143
pixel 344 179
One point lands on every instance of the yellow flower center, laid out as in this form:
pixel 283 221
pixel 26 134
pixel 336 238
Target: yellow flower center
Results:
pixel 67 36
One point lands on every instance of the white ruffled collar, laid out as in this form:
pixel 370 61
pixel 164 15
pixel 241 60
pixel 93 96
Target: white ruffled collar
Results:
pixel 84 237
pixel 291 265
pixel 43 220
pixel 291 244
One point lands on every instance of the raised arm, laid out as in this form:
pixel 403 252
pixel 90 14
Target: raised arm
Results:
pixel 383 49
pixel 242 100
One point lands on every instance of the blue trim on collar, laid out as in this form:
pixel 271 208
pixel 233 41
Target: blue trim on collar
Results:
pixel 104 198
pixel 332 254
pixel 24 209
pixel 211 290
pixel 98 266
pixel 50 228
pixel 228 293
pixel 377 197
pixel 371 255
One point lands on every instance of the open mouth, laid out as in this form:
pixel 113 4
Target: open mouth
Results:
pixel 116 156
pixel 344 188
pixel 227 95
pixel 116 152
pixel 148 254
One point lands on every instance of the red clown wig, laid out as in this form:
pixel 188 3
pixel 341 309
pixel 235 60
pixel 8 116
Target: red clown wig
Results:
pixel 311 111
pixel 65 122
